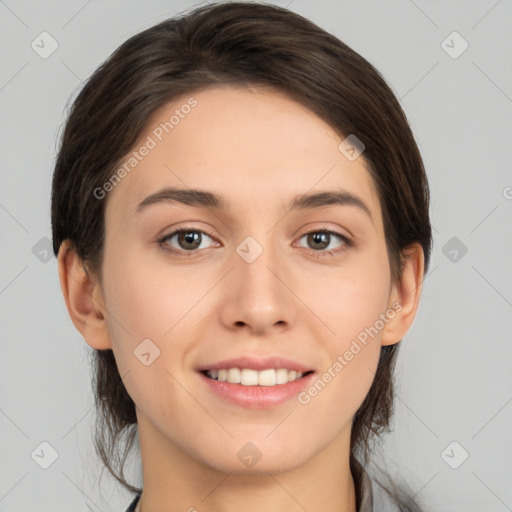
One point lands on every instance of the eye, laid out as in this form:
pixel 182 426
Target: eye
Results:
pixel 188 240
pixel 321 241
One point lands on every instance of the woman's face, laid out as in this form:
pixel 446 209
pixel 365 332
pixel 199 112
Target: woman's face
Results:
pixel 255 276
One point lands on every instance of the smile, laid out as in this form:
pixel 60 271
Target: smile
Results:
pixel 249 377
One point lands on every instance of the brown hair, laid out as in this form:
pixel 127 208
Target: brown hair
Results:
pixel 240 44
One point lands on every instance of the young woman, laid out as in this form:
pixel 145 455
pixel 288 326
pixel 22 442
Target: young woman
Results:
pixel 240 215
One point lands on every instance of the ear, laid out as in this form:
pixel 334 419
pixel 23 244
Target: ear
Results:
pixel 405 295
pixel 84 299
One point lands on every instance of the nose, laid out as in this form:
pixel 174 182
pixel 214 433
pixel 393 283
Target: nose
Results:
pixel 258 293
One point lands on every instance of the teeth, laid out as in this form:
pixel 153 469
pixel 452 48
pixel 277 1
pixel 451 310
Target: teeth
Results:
pixel 248 377
pixel 282 376
pixel 267 378
pixel 234 375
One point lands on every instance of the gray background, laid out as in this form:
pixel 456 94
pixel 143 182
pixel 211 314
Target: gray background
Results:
pixel 455 379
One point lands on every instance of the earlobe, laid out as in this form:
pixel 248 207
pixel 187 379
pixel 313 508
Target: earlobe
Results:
pixel 405 295
pixel 83 297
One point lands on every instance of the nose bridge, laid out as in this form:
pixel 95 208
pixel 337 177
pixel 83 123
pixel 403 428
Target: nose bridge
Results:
pixel 258 296
pixel 257 259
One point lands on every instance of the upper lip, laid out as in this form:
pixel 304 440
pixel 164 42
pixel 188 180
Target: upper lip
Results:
pixel 257 363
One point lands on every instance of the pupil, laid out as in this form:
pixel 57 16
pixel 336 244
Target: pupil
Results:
pixel 190 237
pixel 320 238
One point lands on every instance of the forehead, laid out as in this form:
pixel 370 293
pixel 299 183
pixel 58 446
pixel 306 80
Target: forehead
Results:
pixel 252 146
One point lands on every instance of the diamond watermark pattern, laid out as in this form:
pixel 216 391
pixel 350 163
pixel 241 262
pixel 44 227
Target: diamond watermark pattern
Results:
pixel 454 45
pixel 42 250
pixel 146 352
pixel 44 455
pixel 249 454
pixel 454 249
pixel 454 455
pixel 44 45
pixel 249 250
pixel 351 147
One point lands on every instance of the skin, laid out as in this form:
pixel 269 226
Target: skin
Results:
pixel 204 306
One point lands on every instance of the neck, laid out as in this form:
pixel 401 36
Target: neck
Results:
pixel 173 477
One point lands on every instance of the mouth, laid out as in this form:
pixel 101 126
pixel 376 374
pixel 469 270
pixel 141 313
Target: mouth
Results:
pixel 248 377
pixel 261 389
pixel 256 381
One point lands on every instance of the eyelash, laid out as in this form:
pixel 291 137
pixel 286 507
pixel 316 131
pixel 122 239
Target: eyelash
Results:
pixel 347 243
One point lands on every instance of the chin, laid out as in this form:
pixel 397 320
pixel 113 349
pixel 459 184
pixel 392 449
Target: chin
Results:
pixel 250 461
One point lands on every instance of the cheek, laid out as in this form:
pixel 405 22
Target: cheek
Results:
pixel 352 305
pixel 146 314
pixel 351 299
pixel 351 354
pixel 147 301
pixel 146 298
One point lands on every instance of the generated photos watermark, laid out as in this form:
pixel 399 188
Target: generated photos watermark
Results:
pixel 151 142
pixel 343 360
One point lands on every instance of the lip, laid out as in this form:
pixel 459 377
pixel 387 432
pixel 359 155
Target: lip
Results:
pixel 259 364
pixel 257 397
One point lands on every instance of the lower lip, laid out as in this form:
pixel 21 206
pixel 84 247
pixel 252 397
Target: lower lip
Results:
pixel 257 397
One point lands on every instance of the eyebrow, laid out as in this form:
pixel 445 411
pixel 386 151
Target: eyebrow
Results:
pixel 203 199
